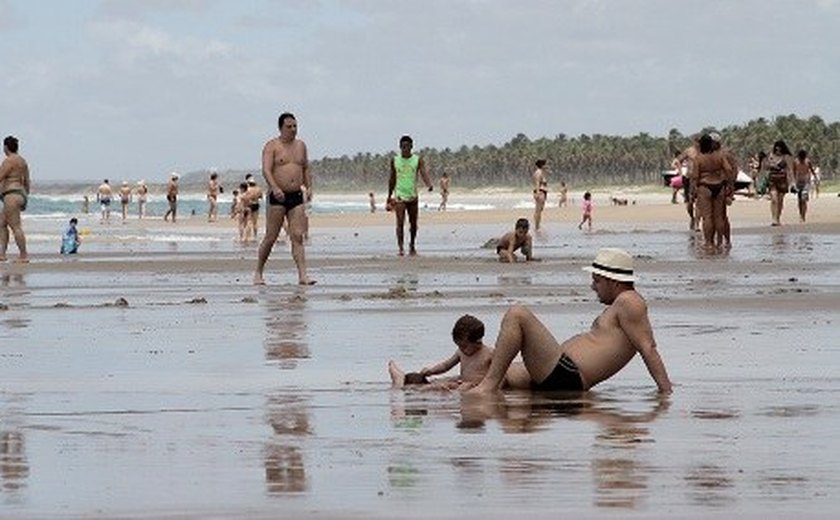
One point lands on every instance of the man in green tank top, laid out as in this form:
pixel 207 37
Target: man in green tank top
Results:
pixel 402 191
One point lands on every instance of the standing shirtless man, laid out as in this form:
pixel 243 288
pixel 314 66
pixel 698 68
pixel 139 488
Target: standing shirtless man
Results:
pixel 285 166
pixel 584 360
pixel 14 190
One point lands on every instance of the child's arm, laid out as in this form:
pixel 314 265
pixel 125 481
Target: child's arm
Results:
pixel 443 366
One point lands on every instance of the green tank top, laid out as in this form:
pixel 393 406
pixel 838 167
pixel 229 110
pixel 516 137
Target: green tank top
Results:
pixel 406 188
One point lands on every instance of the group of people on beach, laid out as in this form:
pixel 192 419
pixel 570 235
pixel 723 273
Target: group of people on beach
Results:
pixel 105 195
pixel 576 364
pixel 707 175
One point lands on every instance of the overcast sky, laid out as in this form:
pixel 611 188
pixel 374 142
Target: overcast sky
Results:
pixel 136 89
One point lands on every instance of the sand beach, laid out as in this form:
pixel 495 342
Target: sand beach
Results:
pixel 147 377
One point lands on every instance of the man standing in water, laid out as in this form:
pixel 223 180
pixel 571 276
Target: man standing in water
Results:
pixel 402 184
pixel 14 190
pixel 172 197
pixel 285 166
pixel 584 360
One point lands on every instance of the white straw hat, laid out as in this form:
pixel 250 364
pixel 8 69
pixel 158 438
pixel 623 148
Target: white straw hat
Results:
pixel 613 263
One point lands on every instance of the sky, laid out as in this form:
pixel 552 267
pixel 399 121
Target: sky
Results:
pixel 125 90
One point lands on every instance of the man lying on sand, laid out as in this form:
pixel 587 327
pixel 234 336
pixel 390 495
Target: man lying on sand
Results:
pixel 584 360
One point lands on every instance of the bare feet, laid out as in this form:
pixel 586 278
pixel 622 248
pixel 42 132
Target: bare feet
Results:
pixel 412 252
pixel 258 279
pixel 401 253
pixel 481 389
pixel 22 260
pixel 397 375
pixel 306 281
pixel 3 258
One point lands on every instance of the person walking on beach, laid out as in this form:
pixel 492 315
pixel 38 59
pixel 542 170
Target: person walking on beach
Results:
pixel 444 191
pixel 712 176
pixel 581 362
pixel 125 199
pixel 104 194
pixel 172 197
pixel 563 196
pixel 684 159
pixel 142 195
pixel 540 191
pixel 372 201
pixel 586 207
pixel 402 186
pixel 285 167
pixel 213 190
pixel 14 192
pixel 779 166
pixel 803 171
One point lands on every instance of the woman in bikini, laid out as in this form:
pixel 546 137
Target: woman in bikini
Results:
pixel 711 179
pixel 14 190
pixel 779 166
pixel 540 192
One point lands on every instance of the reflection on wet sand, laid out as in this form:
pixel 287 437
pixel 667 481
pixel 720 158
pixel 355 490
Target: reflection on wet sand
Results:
pixel 14 467
pixel 286 330
pixel 710 485
pixel 15 297
pixel 285 470
pixel 620 447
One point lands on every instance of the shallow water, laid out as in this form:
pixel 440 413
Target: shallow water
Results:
pixel 211 398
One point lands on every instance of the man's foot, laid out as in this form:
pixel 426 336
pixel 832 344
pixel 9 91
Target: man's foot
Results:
pixel 306 281
pixel 3 258
pixel 397 375
pixel 258 279
pixel 401 253
pixel 22 260
pixel 481 389
pixel 774 224
pixel 412 252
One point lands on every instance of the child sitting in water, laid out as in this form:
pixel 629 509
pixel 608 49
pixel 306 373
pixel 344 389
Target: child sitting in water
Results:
pixel 70 239
pixel 472 354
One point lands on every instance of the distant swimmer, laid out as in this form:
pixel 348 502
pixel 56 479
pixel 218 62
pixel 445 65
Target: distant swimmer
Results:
pixel 125 199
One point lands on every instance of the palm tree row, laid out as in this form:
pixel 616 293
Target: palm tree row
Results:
pixel 586 160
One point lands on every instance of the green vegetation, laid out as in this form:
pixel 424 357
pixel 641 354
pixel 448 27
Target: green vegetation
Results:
pixel 586 160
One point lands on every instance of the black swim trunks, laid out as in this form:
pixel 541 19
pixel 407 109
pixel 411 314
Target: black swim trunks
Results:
pixel 565 376
pixel 290 200
pixel 714 189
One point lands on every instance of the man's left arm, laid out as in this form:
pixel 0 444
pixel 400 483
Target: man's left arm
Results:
pixel 421 167
pixel 307 174
pixel 633 319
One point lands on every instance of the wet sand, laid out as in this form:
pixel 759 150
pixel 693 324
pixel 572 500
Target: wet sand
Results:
pixel 207 397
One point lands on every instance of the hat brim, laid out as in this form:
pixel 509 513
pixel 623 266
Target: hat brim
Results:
pixel 619 277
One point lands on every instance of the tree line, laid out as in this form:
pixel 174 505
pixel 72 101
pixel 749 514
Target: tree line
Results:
pixel 586 160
